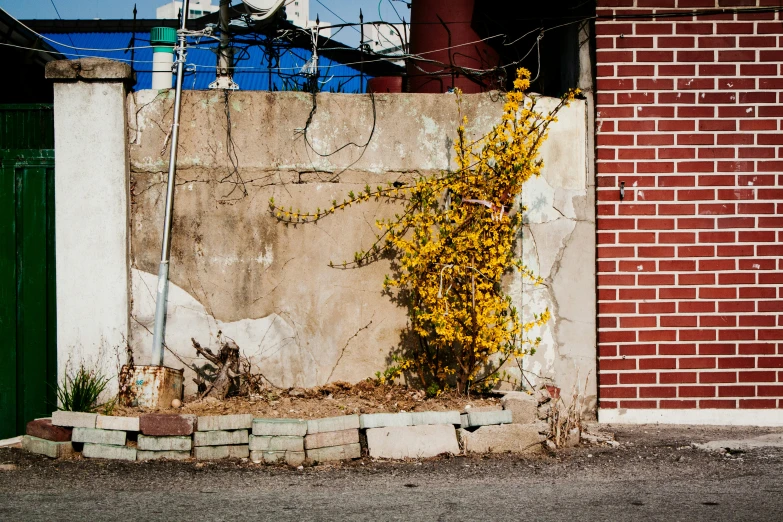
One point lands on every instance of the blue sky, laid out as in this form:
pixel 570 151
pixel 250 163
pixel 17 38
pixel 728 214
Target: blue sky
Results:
pixel 89 9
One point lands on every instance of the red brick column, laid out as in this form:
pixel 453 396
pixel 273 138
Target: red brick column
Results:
pixel 690 294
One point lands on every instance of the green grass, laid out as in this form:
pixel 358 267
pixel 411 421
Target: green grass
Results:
pixel 80 393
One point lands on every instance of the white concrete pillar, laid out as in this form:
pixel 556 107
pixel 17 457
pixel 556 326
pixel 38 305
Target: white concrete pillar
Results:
pixel 91 213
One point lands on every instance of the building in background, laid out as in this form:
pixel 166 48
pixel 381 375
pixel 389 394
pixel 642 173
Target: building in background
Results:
pixel 386 38
pixel 298 13
pixel 197 9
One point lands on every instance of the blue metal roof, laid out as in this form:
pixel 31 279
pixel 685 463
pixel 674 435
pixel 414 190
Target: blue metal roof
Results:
pixel 253 68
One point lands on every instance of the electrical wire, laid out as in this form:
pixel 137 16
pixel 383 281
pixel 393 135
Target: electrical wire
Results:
pixel 60 17
pixel 339 17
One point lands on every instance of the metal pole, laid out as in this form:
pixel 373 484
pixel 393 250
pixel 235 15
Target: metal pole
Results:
pixel 361 51
pixel 225 58
pixel 165 254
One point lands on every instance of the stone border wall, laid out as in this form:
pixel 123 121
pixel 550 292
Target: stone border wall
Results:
pixel 396 436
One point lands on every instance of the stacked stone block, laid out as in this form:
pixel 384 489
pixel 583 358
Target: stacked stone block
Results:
pixel 411 435
pixel 278 440
pixel 165 436
pixel 44 438
pixel 386 435
pixel 222 437
pixel 101 443
pixel 333 438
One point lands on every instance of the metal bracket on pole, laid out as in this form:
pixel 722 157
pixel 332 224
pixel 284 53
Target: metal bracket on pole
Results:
pixel 225 60
pixel 165 255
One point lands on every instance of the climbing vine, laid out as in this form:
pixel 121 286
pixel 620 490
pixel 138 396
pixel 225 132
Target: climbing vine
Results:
pixel 453 243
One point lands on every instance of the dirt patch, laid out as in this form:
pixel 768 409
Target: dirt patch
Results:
pixel 338 398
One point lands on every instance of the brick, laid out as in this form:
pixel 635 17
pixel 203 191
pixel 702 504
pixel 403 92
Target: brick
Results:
pixel 334 438
pixel 383 420
pixel 221 452
pixel 96 436
pixel 412 442
pixel 164 444
pixel 292 458
pixel 696 391
pixel 677 377
pixel 281 443
pixel 424 418
pixel 220 438
pixel 345 452
pixel 279 427
pixel 345 422
pixel 485 418
pixel 161 424
pixel 162 455
pixel 44 429
pixel 49 448
pixel 225 422
pixel 101 451
pixel 74 419
pixel 104 422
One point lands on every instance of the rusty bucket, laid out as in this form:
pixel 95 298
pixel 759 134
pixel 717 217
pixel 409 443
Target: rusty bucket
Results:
pixel 150 387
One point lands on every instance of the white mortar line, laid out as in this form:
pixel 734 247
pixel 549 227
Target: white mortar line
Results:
pixel 704 417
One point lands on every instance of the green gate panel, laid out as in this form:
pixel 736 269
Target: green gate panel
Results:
pixel 28 351
pixel 8 376
pixel 28 127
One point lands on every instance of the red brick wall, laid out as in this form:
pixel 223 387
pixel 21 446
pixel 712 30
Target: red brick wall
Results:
pixel 690 264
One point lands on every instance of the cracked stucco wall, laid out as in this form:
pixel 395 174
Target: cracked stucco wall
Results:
pixel 269 287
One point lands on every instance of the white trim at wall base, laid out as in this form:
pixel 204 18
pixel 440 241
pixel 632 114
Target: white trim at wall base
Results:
pixel 710 417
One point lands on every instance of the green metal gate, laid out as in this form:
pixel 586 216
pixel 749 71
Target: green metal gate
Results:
pixel 28 327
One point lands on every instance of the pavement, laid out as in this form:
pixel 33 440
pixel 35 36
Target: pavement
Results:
pixel 655 473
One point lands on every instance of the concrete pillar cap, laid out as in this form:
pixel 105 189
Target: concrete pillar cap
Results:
pixel 89 70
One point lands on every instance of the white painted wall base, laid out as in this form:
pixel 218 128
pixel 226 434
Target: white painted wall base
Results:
pixel 709 417
pixel 91 213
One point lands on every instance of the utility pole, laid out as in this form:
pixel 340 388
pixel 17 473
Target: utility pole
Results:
pixel 225 58
pixel 165 255
pixel 361 50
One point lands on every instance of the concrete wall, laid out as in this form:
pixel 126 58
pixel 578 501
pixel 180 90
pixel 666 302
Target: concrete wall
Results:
pixel 91 215
pixel 269 287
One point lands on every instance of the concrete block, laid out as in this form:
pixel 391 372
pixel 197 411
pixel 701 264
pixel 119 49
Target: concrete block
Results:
pixel 74 419
pixel 279 427
pixel 331 438
pixel 333 453
pixel 13 442
pixel 221 452
pixel 426 418
pixel 44 429
pixel 96 436
pixel 105 422
pixel 485 418
pixel 515 438
pixel 344 422
pixel 220 438
pixel 283 443
pixel 164 444
pixel 383 420
pixel 103 451
pixel 412 442
pixel 225 422
pixel 48 448
pixel 161 424
pixel 158 455
pixel 292 458
pixel 523 407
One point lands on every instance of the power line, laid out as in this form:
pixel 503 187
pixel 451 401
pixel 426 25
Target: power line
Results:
pixel 339 17
pixel 60 17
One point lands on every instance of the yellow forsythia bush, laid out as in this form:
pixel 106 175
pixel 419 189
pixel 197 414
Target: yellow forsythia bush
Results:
pixel 454 242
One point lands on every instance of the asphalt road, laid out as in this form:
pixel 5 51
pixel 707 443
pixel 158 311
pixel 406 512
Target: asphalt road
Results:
pixel 654 475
